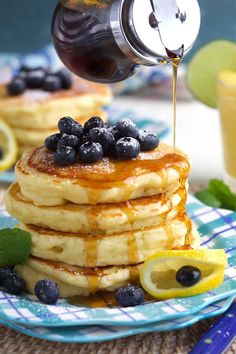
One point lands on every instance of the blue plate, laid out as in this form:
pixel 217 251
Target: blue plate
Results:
pixel 160 127
pixel 90 334
pixel 218 230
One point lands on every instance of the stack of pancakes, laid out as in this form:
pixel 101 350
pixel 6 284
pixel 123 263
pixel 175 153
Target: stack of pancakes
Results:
pixel 34 114
pixel 93 226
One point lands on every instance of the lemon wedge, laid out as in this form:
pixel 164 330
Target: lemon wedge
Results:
pixel 8 147
pixel 158 274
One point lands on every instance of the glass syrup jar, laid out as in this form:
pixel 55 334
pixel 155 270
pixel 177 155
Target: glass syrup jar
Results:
pixel 106 40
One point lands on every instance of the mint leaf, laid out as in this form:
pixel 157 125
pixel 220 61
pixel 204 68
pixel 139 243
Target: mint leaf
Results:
pixel 223 193
pixel 206 197
pixel 15 246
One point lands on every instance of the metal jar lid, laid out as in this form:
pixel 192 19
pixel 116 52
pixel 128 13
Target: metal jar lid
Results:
pixel 144 29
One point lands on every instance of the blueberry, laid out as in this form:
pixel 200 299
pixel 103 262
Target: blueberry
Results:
pixel 66 78
pixel 101 136
pixel 67 125
pixel 27 68
pixel 188 275
pixel 147 140
pixel 127 128
pixel 4 273
pixel 35 79
pixel 93 122
pixel 113 130
pixel 127 148
pixel 65 156
pixel 52 83
pixel 16 86
pixel 52 141
pixel 14 284
pixel 69 140
pixel 90 152
pixel 47 292
pixel 130 295
pixel 21 74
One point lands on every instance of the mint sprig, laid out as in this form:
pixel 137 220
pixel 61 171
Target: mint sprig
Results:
pixel 15 246
pixel 218 195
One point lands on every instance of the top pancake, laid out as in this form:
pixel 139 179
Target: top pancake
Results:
pixel 38 108
pixel 162 170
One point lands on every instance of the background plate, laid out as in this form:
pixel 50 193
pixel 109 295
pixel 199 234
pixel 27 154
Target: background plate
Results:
pixel 218 230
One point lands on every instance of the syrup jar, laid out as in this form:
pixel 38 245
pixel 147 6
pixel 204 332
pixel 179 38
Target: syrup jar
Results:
pixel 106 40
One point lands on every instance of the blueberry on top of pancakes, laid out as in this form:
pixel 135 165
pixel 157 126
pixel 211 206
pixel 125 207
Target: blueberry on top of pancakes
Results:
pixel 127 148
pixel 65 156
pixel 127 128
pixel 89 144
pixel 93 122
pixel 35 79
pixel 65 77
pixel 16 86
pixel 39 78
pixel 67 125
pixel 90 152
pixel 102 136
pixel 147 140
pixel 52 83
pixel 69 140
pixel 51 141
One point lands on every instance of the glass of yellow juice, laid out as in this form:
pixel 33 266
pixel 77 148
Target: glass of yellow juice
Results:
pixel 227 108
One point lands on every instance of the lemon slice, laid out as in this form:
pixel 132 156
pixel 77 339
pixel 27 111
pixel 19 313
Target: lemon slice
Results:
pixel 158 274
pixel 206 65
pixel 8 147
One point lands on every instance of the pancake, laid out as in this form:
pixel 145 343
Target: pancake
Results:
pixel 74 280
pixel 124 248
pixel 38 108
pixel 98 219
pixel 162 170
pixel 36 136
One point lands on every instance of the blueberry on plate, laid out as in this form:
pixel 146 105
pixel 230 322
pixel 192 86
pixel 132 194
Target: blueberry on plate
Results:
pixel 66 79
pixel 129 295
pixel 93 122
pixel 127 148
pixel 90 152
pixel 147 140
pixel 4 273
pixel 69 140
pixel 16 86
pixel 188 276
pixel 127 128
pixel 52 83
pixel 35 79
pixel 67 125
pixel 101 136
pixel 113 130
pixel 52 141
pixel 65 156
pixel 47 291
pixel 14 284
